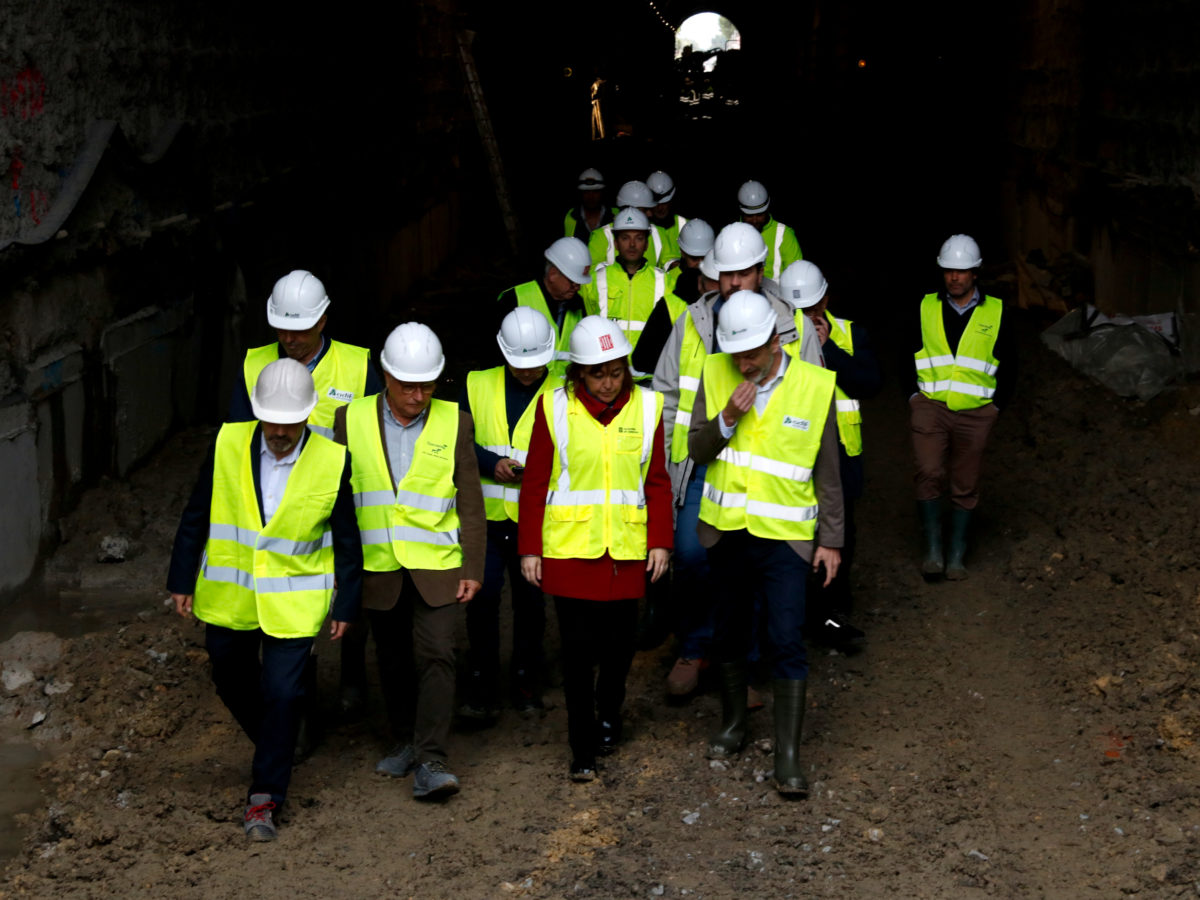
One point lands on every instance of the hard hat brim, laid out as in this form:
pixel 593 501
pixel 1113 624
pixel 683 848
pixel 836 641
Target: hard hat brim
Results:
pixel 948 264
pixel 535 361
pixel 750 341
pixel 755 210
pixel 275 417
pixel 291 323
pixel 738 267
pixel 809 302
pixel 411 377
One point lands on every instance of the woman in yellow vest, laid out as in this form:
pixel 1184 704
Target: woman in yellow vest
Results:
pixel 595 517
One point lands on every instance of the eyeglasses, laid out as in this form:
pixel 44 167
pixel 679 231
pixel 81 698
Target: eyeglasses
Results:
pixel 409 388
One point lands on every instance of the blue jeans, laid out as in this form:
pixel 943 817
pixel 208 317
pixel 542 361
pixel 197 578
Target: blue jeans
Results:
pixel 265 697
pixel 693 596
pixel 747 570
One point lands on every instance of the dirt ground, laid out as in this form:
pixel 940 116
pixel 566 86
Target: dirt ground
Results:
pixel 1027 733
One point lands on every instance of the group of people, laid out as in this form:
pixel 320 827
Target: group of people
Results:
pixel 676 418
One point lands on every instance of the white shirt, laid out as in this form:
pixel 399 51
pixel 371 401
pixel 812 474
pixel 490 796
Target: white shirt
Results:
pixel 401 440
pixel 273 475
pixel 761 399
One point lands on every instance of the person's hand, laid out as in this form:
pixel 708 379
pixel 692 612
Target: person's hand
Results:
pixel 531 568
pixel 656 562
pixel 183 604
pixel 337 630
pixel 821 324
pixel 741 401
pixel 467 588
pixel 504 471
pixel 831 558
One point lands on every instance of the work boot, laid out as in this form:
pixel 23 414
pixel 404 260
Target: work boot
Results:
pixel 789 720
pixel 433 781
pixel 400 760
pixel 934 565
pixel 480 706
pixel 959 520
pixel 684 676
pixel 729 740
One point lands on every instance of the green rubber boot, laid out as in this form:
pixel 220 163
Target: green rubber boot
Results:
pixel 933 566
pixel 732 736
pixel 959 520
pixel 789 721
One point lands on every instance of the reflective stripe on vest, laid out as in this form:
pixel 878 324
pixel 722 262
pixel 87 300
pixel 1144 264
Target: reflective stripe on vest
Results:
pixel 849 416
pixel 966 380
pixel 339 377
pixel 277 577
pixel 762 479
pixel 485 390
pixel 530 294
pixel 692 354
pixel 596 501
pixel 415 524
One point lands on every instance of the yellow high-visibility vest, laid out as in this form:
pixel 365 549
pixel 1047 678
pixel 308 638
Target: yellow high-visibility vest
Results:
pixel 530 294
pixel 782 248
pixel 485 390
pixel 849 414
pixel 602 245
pixel 692 354
pixel 415 524
pixel 340 376
pixel 277 577
pixel 762 480
pixel 628 301
pixel 596 501
pixel 966 380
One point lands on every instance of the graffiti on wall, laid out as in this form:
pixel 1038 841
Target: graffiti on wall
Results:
pixel 22 99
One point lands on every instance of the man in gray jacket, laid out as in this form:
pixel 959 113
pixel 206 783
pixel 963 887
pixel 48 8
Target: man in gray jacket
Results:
pixel 737 258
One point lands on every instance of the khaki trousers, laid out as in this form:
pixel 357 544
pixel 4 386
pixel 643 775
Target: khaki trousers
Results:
pixel 948 447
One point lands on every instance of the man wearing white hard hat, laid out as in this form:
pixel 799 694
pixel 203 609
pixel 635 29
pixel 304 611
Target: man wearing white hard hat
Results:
pixel 662 187
pixel 298 311
pixel 501 402
pixel 736 263
pixel 848 354
pixel 603 243
pixel 765 425
pixel 420 515
pixel 268 527
pixel 592 213
pixel 555 295
pixel 628 290
pixel 965 372
pixel 782 247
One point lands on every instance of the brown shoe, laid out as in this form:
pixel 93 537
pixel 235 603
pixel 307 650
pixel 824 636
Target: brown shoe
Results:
pixel 685 676
pixel 754 700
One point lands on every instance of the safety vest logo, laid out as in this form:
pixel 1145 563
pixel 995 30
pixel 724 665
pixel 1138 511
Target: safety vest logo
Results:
pixel 340 396
pixel 623 429
pixel 793 422
pixel 436 449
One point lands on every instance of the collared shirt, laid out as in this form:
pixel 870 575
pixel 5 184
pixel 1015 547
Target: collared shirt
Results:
pixel 963 310
pixel 273 475
pixel 401 440
pixel 761 399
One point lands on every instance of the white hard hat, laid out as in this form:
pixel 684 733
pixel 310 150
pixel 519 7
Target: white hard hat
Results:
pixel 526 338
pixel 412 352
pixel 297 302
pixel 596 340
pixel 631 219
pixel 284 393
pixel 960 252
pixel 708 268
pixel 571 257
pixel 753 198
pixel 661 186
pixel 591 180
pixel 696 237
pixel 635 193
pixel 738 246
pixel 802 284
pixel 746 322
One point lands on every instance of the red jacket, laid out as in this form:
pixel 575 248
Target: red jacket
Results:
pixel 604 578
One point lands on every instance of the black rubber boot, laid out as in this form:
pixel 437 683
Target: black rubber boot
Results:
pixel 789 720
pixel 732 736
pixel 959 520
pixel 934 565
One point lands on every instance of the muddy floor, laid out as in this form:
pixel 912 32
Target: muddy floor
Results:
pixel 1027 733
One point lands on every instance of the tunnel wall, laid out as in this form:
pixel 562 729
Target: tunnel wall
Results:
pixel 165 163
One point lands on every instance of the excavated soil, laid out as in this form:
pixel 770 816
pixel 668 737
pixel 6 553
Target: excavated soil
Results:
pixel 1027 733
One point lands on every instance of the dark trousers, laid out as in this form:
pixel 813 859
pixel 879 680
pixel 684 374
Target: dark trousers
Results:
pixel 747 570
pixel 483 612
pixel 837 598
pixel 948 446
pixel 264 696
pixel 414 645
pixel 597 651
pixel 692 594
